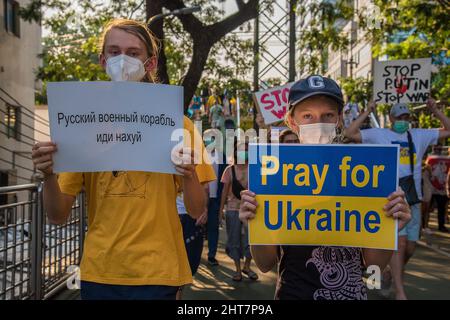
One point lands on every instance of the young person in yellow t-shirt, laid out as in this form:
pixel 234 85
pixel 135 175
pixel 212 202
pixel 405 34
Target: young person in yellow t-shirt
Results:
pixel 134 245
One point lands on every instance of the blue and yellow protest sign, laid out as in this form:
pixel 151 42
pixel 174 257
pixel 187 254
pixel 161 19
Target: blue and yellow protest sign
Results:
pixel 329 195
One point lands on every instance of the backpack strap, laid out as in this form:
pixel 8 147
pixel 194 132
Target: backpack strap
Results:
pixel 236 186
pixel 410 151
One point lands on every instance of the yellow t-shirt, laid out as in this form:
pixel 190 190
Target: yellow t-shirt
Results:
pixel 134 233
pixel 212 100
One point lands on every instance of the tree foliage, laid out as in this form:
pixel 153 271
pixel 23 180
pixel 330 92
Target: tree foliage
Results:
pixel 70 47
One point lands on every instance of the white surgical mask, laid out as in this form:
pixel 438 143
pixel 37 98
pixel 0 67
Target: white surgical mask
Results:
pixel 317 133
pixel 125 68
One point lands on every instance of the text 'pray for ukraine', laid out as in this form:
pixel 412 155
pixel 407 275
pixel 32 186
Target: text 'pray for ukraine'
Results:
pixel 323 195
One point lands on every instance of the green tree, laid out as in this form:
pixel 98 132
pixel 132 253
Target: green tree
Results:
pixel 70 49
pixel 356 89
pixel 208 32
pixel 414 29
pixel 324 30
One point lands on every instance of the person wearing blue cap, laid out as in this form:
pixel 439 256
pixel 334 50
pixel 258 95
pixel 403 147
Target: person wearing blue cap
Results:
pixel 413 145
pixel 319 272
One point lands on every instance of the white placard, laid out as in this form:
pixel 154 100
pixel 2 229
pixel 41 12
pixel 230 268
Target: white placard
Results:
pixel 402 81
pixel 273 103
pixel 114 126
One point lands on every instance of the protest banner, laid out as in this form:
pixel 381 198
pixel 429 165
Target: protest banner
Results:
pixel 330 195
pixel 114 126
pixel 439 165
pixel 402 81
pixel 273 103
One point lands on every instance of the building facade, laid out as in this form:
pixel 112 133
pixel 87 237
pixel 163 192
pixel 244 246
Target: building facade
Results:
pixel 356 60
pixel 20 44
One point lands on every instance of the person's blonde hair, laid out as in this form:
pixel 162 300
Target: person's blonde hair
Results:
pixel 138 29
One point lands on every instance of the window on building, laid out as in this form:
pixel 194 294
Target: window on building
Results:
pixel 12 121
pixel 12 18
pixel 3 183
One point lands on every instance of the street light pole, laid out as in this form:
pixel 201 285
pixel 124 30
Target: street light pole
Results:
pixel 178 12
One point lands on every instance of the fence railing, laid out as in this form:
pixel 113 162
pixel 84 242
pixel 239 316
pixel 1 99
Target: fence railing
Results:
pixel 34 255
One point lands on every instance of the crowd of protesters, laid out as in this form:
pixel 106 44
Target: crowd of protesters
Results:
pixel 150 247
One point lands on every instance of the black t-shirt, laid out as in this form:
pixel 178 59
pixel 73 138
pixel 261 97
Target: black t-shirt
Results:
pixel 317 273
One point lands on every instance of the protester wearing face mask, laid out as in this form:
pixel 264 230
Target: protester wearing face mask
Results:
pixel 413 144
pixel 315 114
pixel 235 179
pixel 134 248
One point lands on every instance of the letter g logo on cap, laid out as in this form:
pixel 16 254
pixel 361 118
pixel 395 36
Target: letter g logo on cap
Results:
pixel 316 82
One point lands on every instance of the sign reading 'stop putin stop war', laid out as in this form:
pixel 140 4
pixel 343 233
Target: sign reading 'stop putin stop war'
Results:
pixel 331 195
pixel 402 81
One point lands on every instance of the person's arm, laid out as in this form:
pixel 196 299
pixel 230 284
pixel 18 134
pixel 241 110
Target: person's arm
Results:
pixel 193 192
pixel 265 256
pixel 223 198
pixel 57 205
pixel 353 132
pixel 444 133
pixel 397 208
pixel 203 219
pixel 194 196
pixel 377 257
pixel 447 184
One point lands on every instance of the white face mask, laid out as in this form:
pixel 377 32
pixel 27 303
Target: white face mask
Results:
pixel 125 68
pixel 317 133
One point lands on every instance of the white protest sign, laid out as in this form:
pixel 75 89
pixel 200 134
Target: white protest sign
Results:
pixel 114 126
pixel 273 103
pixel 402 81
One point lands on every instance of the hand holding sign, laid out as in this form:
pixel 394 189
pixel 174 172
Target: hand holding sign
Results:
pixel 247 209
pixel 184 160
pixel 42 156
pixel 398 208
pixel 431 104
pixel 371 107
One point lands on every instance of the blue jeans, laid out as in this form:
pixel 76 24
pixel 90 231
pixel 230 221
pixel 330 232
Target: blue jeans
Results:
pixel 193 240
pixel 213 226
pixel 99 291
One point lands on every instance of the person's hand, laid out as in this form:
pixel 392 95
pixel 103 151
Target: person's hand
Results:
pixel 260 121
pixel 201 221
pixel 398 208
pixel 184 160
pixel 371 107
pixel 432 105
pixel 42 156
pixel 247 209
pixel 221 218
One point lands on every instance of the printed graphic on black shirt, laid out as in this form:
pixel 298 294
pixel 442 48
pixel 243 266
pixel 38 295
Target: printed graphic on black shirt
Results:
pixel 319 273
pixel 340 273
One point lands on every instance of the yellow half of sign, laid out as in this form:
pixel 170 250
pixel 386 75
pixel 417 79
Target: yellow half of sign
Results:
pixel 323 220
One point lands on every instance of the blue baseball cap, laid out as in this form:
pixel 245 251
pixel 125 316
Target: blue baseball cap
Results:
pixel 315 85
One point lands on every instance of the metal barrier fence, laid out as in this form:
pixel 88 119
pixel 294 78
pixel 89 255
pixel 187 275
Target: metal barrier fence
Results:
pixel 34 255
